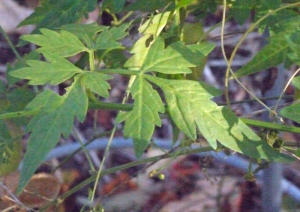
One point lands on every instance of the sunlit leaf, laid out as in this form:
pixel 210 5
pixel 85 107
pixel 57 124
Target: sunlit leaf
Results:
pixel 108 38
pixel 189 106
pixel 56 71
pixel 151 29
pixel 64 44
pixel 140 122
pixel 176 58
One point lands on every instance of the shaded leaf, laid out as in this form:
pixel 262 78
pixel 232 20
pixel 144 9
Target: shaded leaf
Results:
pixel 56 71
pixel 140 122
pixel 40 100
pixel 56 118
pixel 115 59
pixel 293 40
pixel 11 147
pixel 272 20
pixel 291 24
pixel 292 112
pixel 149 5
pixel 64 44
pixel 193 33
pixel 53 14
pixel 108 38
pixel 114 6
pixel 272 54
pixel 241 9
pixel 96 82
pixel 189 106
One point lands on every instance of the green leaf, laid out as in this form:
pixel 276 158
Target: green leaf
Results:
pixel 189 106
pixel 19 98
pixel 149 6
pixel 293 40
pixel 40 73
pixel 241 9
pixel 140 122
pixel 180 96
pixel 40 100
pixel 47 127
pixel 272 20
pixel 151 29
pixel 53 14
pixel 183 3
pixel 10 147
pixel 96 82
pixel 193 33
pixel 175 59
pixel 292 112
pixel 108 38
pixel 64 44
pixel 114 6
pixel 155 24
pixel 33 55
pixel 85 32
pixel 291 24
pixel 272 54
pixel 114 59
pixel 296 82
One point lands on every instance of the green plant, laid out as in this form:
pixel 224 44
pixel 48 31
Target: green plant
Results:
pixel 169 57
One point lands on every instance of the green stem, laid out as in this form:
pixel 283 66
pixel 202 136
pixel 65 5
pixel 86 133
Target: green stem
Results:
pixel 125 166
pixel 122 19
pixel 127 107
pixel 87 155
pixel 104 134
pixel 91 60
pixel 10 43
pixel 118 71
pixel 269 125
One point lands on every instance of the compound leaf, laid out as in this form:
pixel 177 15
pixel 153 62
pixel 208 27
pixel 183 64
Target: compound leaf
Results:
pixel 53 14
pixel 140 122
pixel 96 82
pixel 151 29
pixel 56 118
pixel 85 32
pixel 272 54
pixel 149 5
pixel 292 112
pixel 64 44
pixel 108 38
pixel 56 71
pixel 189 106
pixel 114 6
pixel 175 59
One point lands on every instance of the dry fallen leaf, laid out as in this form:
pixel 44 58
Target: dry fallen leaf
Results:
pixel 41 188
